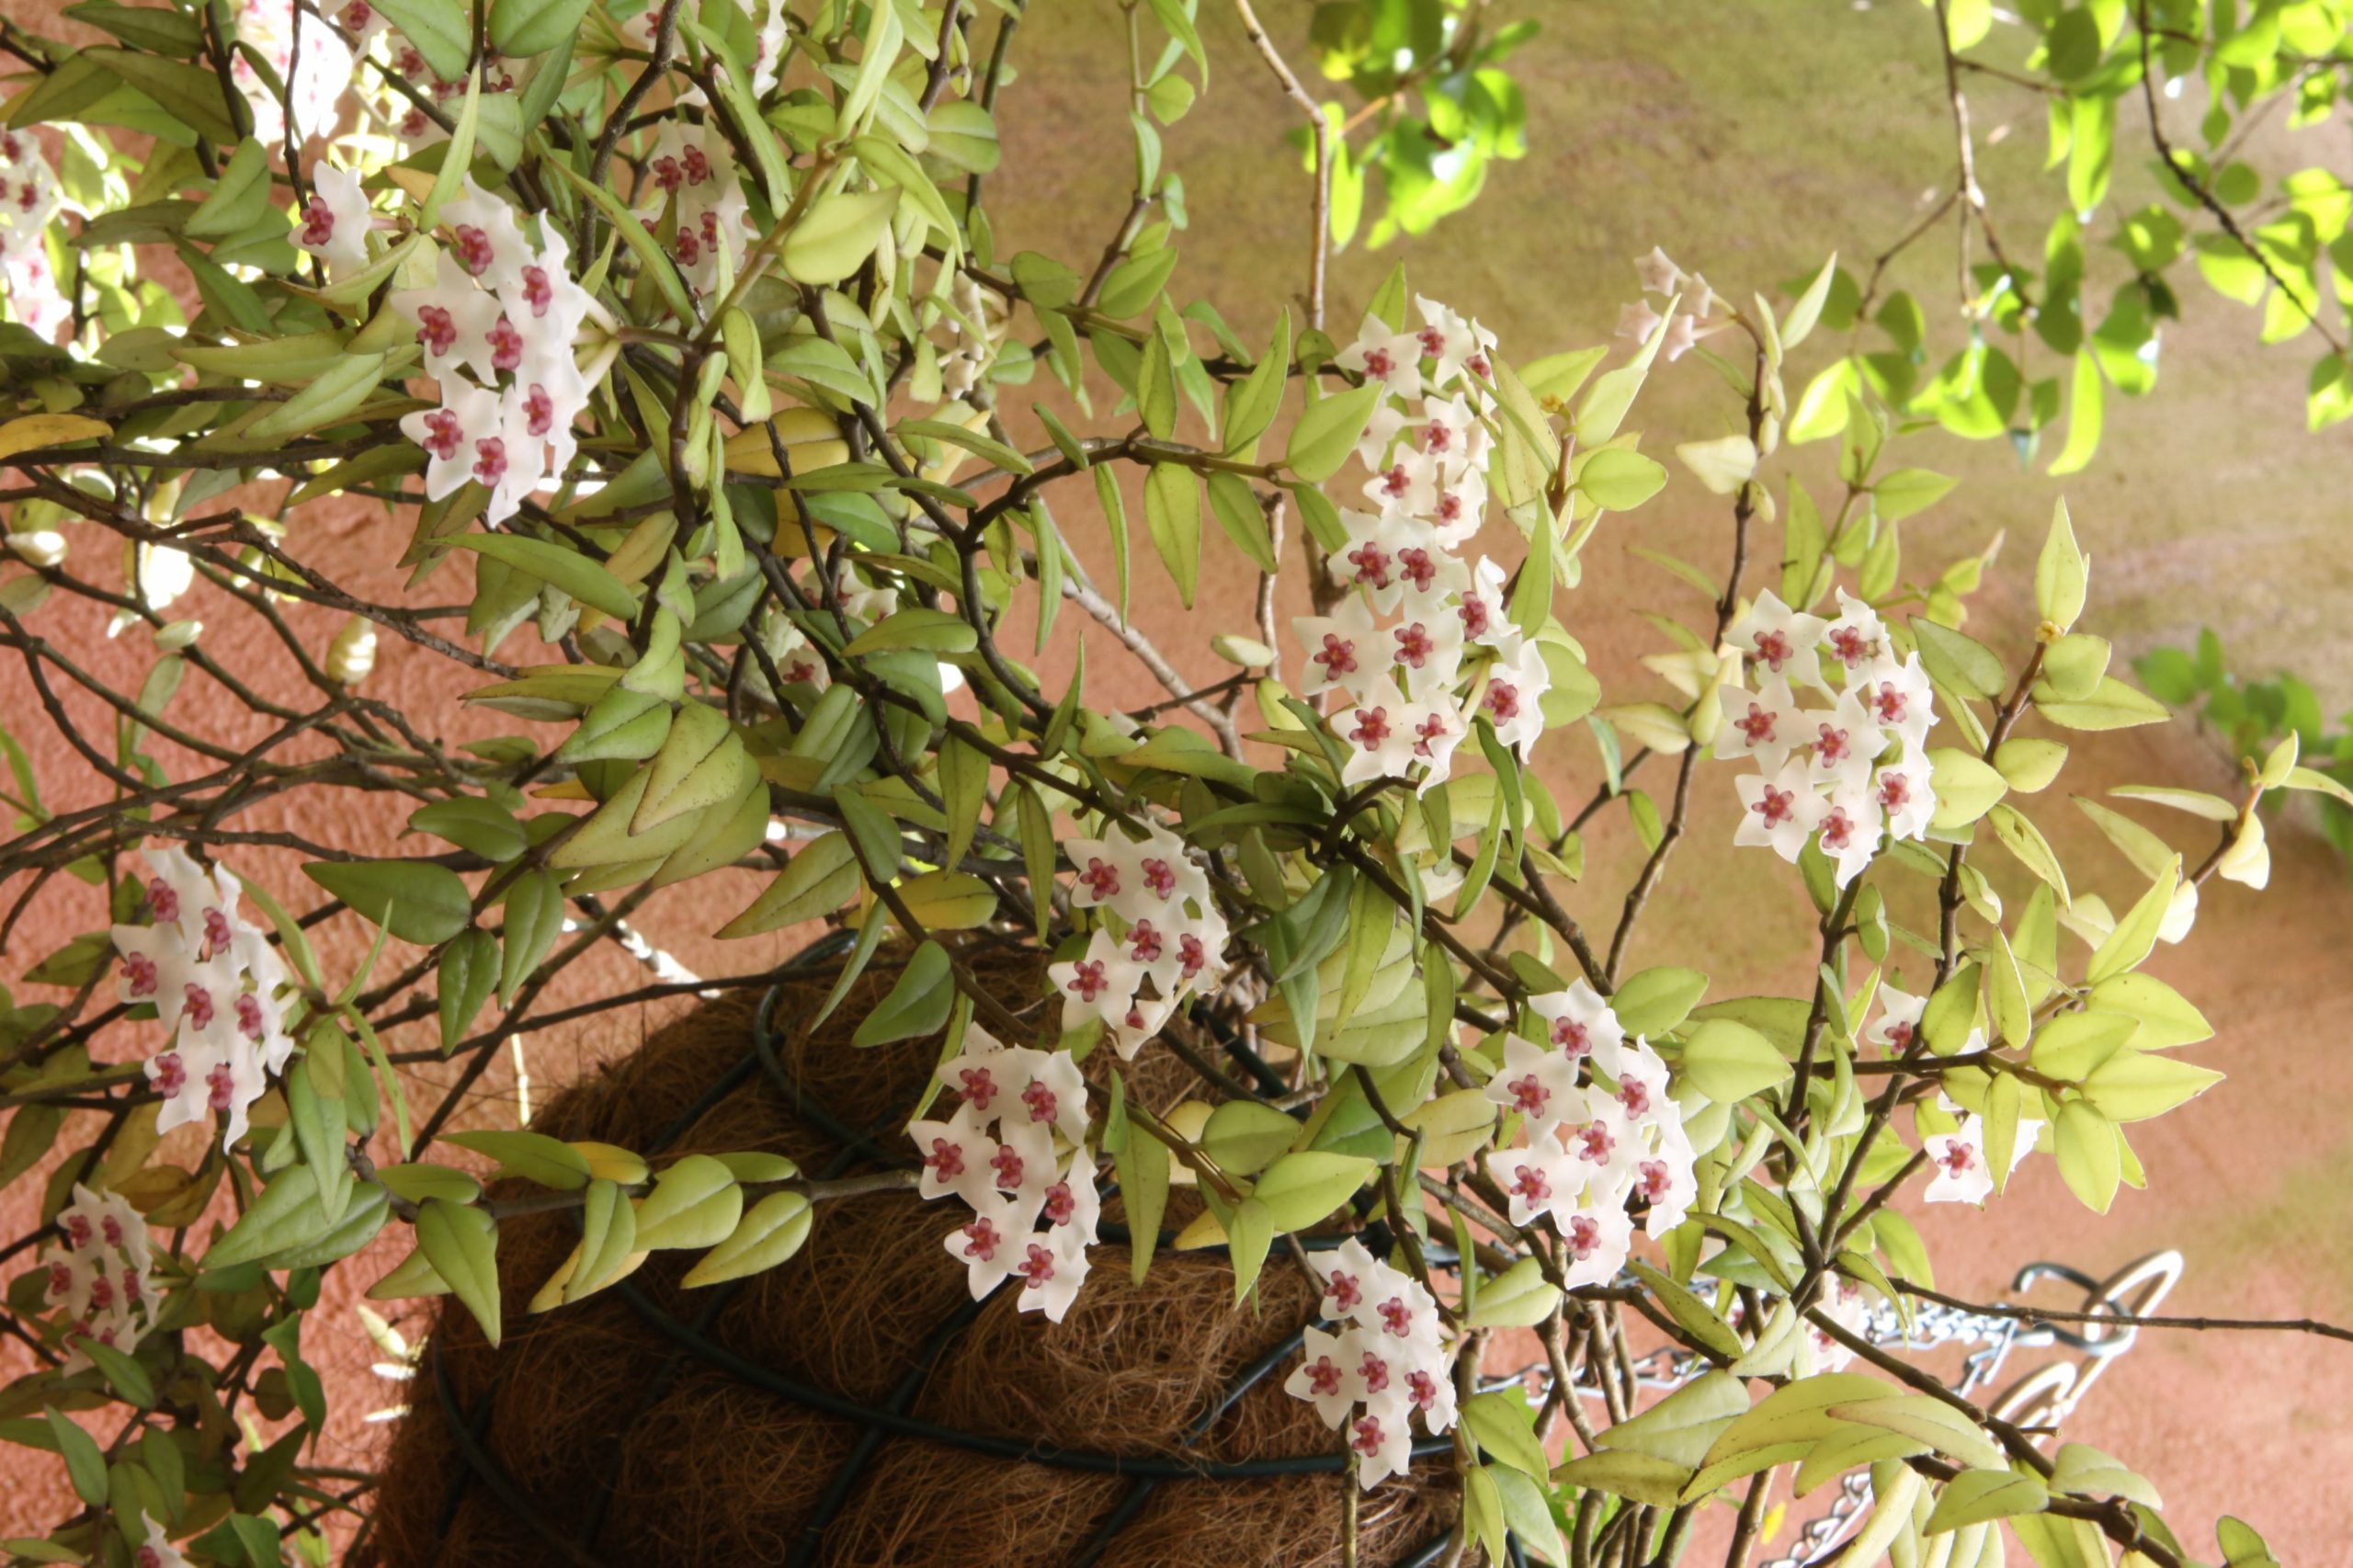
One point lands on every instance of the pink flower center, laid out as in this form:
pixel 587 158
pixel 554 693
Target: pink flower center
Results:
pixel 1043 1103
pixel 1377 362
pixel 1572 1036
pixel 77 1229
pixel 436 329
pixel 1759 726
pixel 1437 436
pixel 1143 943
pixel 1159 876
pixel 1891 704
pixel 538 292
pixel 490 459
pixel 1372 728
pixel 318 221
pixel 1196 957
pixel 1776 806
pixel 1773 648
pixel 1415 566
pixel 171 1077
pixel 1449 507
pixel 505 345
pixel 1396 1317
pixel 1375 1373
pixel 1531 1185
pixel 1087 979
pixel 1530 1096
pixel 982 1239
pixel 1323 1377
pixel 1835 744
pixel 1433 729
pixel 1038 1267
pixel 475 252
pixel 1368 1440
pixel 140 973
pixel 1396 481
pixel 358 15
pixel 1894 791
pixel 1060 1204
pixel 1413 645
pixel 1101 879
pixel 1958 1157
pixel 443 435
pixel 1502 700
pixel 946 1159
pixel 222 1086
pixel 698 166
pixel 1433 342
pixel 1010 1168
pixel 249 1018
pixel 1851 646
pixel 1900 1036
pixel 1422 1387
pixel 538 409
pixel 690 247
pixel 667 175
pixel 164 899
pixel 978 1086
pixel 1655 1179
pixel 1474 610
pixel 199 1005
pixel 1343 1291
pixel 111 1228
pixel 1594 1143
pixel 1635 1095
pixel 1338 655
pixel 60 1280
pixel 1372 563
pixel 1837 829
pixel 1584 1235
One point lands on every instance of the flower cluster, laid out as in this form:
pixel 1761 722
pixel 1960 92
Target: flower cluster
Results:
pixel 508 311
pixel 1161 936
pixel 1598 1128
pixel 100 1278
pixel 29 199
pixel 1848 771
pixel 1640 320
pixel 1420 646
pixel 267 29
pixel 1389 1362
pixel 691 174
pixel 973 335
pixel 1034 1212
pixel 213 980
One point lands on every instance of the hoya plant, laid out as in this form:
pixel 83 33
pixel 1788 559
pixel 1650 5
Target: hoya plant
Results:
pixel 788 531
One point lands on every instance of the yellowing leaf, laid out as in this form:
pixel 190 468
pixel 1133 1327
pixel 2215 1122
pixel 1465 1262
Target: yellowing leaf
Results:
pixel 34 431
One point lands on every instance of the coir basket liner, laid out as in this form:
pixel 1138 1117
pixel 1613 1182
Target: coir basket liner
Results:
pixel 854 1406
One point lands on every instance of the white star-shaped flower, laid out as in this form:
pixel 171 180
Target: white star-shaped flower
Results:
pixel 1658 273
pixel 1958 1158
pixel 1782 811
pixel 1781 640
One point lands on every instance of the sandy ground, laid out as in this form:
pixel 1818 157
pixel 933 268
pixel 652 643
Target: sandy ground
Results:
pixel 2209 507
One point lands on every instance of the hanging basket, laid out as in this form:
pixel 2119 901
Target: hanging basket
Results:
pixel 855 1407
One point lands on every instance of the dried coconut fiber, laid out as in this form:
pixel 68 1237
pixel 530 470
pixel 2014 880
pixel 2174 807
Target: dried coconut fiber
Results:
pixel 854 1406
